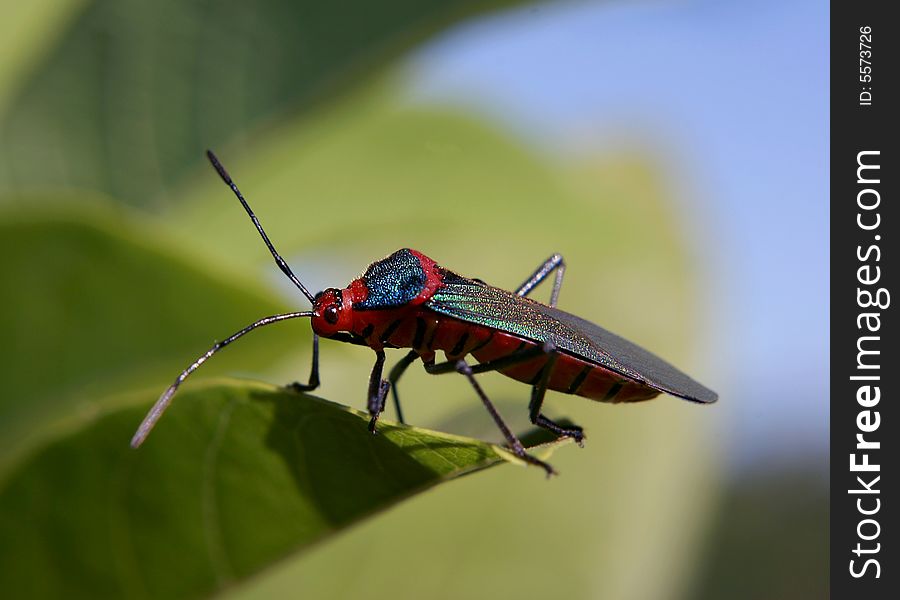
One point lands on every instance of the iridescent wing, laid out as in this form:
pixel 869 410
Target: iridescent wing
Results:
pixel 476 302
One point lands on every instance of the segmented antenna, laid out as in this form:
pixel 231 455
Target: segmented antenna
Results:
pixel 166 399
pixel 282 264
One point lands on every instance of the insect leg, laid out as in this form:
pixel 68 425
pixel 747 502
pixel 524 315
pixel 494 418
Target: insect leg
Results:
pixel 378 389
pixel 512 441
pixel 554 263
pixel 537 400
pixel 491 365
pixel 314 371
pixel 537 391
pixel 395 374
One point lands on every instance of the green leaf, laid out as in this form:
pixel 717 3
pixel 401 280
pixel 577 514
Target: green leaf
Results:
pixel 100 302
pixel 134 91
pixel 236 476
pixel 26 30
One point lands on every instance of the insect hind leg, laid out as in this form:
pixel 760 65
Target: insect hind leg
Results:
pixel 553 263
pixel 512 441
pixel 537 400
pixel 538 391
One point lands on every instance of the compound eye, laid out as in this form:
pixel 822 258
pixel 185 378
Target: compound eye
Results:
pixel 331 315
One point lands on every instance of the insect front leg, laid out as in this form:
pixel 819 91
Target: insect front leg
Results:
pixel 512 441
pixel 554 263
pixel 395 374
pixel 378 389
pixel 314 371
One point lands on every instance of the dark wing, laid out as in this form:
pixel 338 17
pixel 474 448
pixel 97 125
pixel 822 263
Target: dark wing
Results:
pixel 481 304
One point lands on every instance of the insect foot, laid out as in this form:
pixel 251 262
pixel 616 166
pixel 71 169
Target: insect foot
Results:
pixel 298 387
pixel 537 462
pixel 376 405
pixel 576 433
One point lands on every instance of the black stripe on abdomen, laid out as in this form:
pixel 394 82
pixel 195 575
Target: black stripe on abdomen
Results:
pixel 537 376
pixel 579 379
pixel 420 333
pixel 390 330
pixel 460 344
pixel 484 343
pixel 434 331
pixel 615 389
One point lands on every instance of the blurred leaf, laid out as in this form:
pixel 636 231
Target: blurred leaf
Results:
pixel 26 29
pixel 353 183
pixel 99 302
pixel 788 502
pixel 135 91
pixel 236 476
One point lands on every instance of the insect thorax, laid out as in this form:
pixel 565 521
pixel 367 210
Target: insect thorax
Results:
pixel 393 281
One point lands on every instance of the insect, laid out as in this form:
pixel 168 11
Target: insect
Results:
pixel 408 301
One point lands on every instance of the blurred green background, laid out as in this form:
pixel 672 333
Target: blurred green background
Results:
pixel 354 130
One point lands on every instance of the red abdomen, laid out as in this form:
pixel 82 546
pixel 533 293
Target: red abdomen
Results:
pixel 427 332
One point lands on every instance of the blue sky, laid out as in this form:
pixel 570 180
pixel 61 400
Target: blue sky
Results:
pixel 734 96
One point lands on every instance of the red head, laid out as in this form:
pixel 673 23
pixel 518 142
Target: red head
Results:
pixel 332 312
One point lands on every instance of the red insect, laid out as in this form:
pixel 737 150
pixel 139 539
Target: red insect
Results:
pixel 408 301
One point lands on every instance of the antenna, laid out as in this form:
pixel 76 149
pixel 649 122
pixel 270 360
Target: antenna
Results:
pixel 166 399
pixel 282 264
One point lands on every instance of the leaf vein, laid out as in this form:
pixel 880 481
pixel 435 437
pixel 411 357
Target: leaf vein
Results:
pixel 212 523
